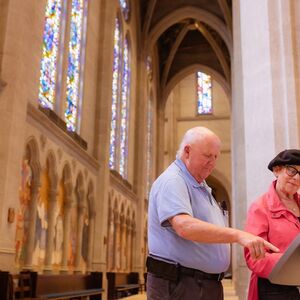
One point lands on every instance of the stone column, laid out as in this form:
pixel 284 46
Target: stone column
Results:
pixel 128 245
pixel 50 231
pixel 117 242
pixel 123 244
pixel 110 240
pixel 31 228
pixel 80 221
pixel 92 216
pixel 67 223
pixel 263 106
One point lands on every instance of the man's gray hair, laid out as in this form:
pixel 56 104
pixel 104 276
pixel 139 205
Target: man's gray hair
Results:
pixel 192 135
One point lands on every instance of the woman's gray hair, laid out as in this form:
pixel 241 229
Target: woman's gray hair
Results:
pixel 192 135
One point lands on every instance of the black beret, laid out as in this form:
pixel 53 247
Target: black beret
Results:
pixel 286 157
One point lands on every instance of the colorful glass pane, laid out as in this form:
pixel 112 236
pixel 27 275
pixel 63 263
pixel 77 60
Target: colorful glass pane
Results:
pixel 74 58
pixel 149 146
pixel 204 98
pixel 125 8
pixel 115 97
pixel 149 67
pixel 50 53
pixel 124 111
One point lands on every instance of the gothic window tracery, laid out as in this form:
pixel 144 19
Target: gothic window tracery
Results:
pixel 120 102
pixel 53 57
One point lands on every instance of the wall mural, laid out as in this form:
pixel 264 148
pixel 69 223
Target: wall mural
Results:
pixel 58 227
pixel 85 242
pixel 41 220
pixel 23 215
pixel 73 237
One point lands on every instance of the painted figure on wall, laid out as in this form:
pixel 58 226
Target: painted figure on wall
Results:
pixel 41 220
pixel 73 237
pixel 58 227
pixel 23 214
pixel 85 242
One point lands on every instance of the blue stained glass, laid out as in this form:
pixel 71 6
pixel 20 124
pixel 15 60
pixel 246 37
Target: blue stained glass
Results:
pixel 125 8
pixel 149 145
pixel 204 98
pixel 124 111
pixel 50 53
pixel 73 74
pixel 115 97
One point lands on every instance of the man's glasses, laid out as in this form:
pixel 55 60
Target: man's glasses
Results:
pixel 291 171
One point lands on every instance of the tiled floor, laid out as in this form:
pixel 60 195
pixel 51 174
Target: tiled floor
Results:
pixel 228 289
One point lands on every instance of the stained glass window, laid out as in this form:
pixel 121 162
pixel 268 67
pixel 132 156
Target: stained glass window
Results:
pixel 74 63
pixel 52 58
pixel 115 94
pixel 149 145
pixel 124 110
pixel 149 67
pixel 120 103
pixel 204 96
pixel 125 8
pixel 49 59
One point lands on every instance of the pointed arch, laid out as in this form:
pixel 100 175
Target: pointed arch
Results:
pixel 190 70
pixel 189 12
pixel 90 197
pixel 79 188
pixel 51 168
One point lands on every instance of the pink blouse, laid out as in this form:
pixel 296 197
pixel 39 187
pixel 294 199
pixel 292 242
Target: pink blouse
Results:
pixel 271 220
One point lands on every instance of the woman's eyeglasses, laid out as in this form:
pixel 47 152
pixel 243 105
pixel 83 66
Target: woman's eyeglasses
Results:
pixel 291 171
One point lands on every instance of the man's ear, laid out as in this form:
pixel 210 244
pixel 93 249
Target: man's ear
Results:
pixel 187 149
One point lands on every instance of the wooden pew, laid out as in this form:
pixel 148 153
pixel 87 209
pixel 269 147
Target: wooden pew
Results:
pixel 69 286
pixel 33 286
pixel 121 285
pixel 17 286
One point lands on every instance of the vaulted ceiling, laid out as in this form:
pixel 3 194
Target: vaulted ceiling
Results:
pixel 188 35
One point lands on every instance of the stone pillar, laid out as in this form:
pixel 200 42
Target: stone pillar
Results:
pixel 130 249
pixel 31 228
pixel 263 106
pixel 117 242
pixel 92 216
pixel 50 231
pixel 67 226
pixel 81 215
pixel 110 240
pixel 123 244
pixel 128 245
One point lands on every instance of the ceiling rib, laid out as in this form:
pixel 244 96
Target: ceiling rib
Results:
pixel 216 48
pixel 148 17
pixel 190 12
pixel 227 13
pixel 173 51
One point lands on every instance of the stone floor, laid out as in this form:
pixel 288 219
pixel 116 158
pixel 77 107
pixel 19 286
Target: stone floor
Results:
pixel 228 289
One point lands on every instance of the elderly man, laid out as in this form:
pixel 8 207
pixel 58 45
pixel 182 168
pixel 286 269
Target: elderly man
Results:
pixel 187 238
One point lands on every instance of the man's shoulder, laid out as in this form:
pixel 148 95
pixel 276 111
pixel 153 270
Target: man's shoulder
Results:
pixel 173 172
pixel 171 175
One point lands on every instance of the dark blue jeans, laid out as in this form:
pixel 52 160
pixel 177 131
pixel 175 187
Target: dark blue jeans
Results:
pixel 186 288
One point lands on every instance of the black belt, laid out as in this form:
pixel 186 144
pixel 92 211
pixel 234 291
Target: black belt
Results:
pixel 173 271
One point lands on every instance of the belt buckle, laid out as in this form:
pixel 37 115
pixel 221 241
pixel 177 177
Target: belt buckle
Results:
pixel 220 276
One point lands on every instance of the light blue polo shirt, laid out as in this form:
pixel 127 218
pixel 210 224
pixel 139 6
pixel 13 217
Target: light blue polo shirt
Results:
pixel 175 192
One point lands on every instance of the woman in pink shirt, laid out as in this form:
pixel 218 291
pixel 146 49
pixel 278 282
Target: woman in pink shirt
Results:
pixel 275 216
